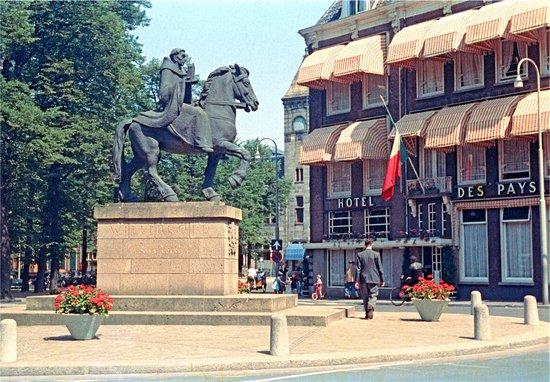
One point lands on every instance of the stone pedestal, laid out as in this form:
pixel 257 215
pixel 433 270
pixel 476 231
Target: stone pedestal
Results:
pixel 167 248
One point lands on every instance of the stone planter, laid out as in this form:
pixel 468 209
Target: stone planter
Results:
pixel 430 310
pixel 82 326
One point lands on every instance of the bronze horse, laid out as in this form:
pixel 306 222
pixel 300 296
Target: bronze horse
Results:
pixel 223 86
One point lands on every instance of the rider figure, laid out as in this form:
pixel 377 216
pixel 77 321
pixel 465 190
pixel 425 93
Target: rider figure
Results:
pixel 414 272
pixel 182 118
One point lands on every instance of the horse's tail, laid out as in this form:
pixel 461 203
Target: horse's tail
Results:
pixel 118 148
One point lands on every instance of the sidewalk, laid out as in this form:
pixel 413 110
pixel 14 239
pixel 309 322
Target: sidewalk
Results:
pixel 178 349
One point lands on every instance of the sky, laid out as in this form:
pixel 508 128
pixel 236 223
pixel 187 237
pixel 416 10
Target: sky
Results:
pixel 261 35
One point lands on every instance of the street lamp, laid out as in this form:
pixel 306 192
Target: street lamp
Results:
pixel 257 156
pixel 518 83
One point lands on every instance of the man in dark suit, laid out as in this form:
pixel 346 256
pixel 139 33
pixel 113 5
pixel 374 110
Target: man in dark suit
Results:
pixel 369 276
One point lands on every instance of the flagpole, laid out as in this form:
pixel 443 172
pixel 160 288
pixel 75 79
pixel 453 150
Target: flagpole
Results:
pixel 410 161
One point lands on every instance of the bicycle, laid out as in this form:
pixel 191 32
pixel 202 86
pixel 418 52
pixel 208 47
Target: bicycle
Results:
pixel 318 294
pixel 397 295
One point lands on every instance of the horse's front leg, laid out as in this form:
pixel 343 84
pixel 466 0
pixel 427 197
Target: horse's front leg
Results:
pixel 237 178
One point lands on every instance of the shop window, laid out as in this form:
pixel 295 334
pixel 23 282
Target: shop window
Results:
pixel 299 209
pixel 544 45
pixel 472 168
pixel 299 175
pixel 431 217
pixel 338 98
pixel 516 246
pixel 473 246
pixel 514 159
pixel 433 164
pixel 377 223
pixel 373 87
pixel 339 222
pixel 436 260
pixel 339 179
pixel 468 71
pixel 429 78
pixel 374 171
pixel 337 265
pixel 507 59
pixel 385 257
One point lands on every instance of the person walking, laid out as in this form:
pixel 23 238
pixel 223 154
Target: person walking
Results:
pixel 369 276
pixel 349 280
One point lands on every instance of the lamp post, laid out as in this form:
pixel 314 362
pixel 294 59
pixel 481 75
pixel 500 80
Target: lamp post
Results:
pixel 257 156
pixel 518 83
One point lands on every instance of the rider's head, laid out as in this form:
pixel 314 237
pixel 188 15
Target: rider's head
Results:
pixel 413 259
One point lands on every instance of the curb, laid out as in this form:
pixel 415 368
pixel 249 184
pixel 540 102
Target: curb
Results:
pixel 539 335
pixel 497 304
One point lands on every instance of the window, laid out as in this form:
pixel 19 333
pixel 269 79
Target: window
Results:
pixel 473 246
pixel 337 265
pixel 386 267
pixel 299 175
pixel 507 60
pixel 472 165
pixel 338 98
pixel 339 181
pixel 377 223
pixel 373 87
pixel 443 220
pixel 468 71
pixel 374 173
pixel 299 209
pixel 420 217
pixel 516 247
pixel 433 164
pixel 339 222
pixel 436 260
pixel 514 159
pixel 546 148
pixel 544 49
pixel 299 124
pixel 431 217
pixel 429 78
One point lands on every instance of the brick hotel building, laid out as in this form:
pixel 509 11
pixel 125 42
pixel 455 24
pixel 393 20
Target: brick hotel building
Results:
pixel 446 70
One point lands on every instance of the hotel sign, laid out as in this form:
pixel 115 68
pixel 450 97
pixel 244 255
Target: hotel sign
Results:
pixel 497 189
pixel 364 201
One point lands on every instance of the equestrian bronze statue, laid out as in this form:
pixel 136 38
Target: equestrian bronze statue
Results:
pixel 187 127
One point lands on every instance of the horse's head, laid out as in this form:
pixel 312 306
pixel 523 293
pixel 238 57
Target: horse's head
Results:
pixel 242 88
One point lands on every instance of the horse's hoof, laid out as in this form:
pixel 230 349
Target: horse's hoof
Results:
pixel 211 195
pixel 171 198
pixel 127 197
pixel 235 181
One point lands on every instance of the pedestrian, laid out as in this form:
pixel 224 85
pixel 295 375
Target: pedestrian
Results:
pixel 349 280
pixel 300 282
pixel 251 278
pixel 318 287
pixel 294 282
pixel 369 276
pixel 281 282
pixel 414 272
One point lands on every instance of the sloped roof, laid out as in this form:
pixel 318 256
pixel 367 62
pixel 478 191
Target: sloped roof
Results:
pixel 296 90
pixel 333 13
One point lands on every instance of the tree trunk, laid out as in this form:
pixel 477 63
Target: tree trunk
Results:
pixel 40 276
pixel 84 259
pixel 5 258
pixel 25 275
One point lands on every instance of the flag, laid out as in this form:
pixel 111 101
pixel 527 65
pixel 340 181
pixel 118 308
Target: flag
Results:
pixel 398 155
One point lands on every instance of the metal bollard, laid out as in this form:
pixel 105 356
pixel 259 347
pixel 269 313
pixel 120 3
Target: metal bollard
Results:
pixel 530 311
pixel 8 340
pixel 475 299
pixel 278 342
pixel 482 329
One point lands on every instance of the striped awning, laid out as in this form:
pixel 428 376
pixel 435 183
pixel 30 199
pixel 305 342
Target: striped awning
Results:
pixel 498 203
pixel 489 23
pixel 524 120
pixel 363 56
pixel 527 18
pixel 318 145
pixel 490 120
pixel 446 35
pixel 406 46
pixel 412 125
pixel 363 140
pixel 317 68
pixel 447 125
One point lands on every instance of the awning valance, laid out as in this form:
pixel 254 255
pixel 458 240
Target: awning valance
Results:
pixel 490 120
pixel 317 68
pixel 363 56
pixel 295 252
pixel 363 140
pixel 489 23
pixel 318 146
pixel 413 125
pixel 524 120
pixel 527 18
pixel 446 35
pixel 446 128
pixel 406 46
pixel 498 203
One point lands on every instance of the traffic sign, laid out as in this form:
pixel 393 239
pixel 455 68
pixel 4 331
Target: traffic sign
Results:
pixel 276 256
pixel 276 244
